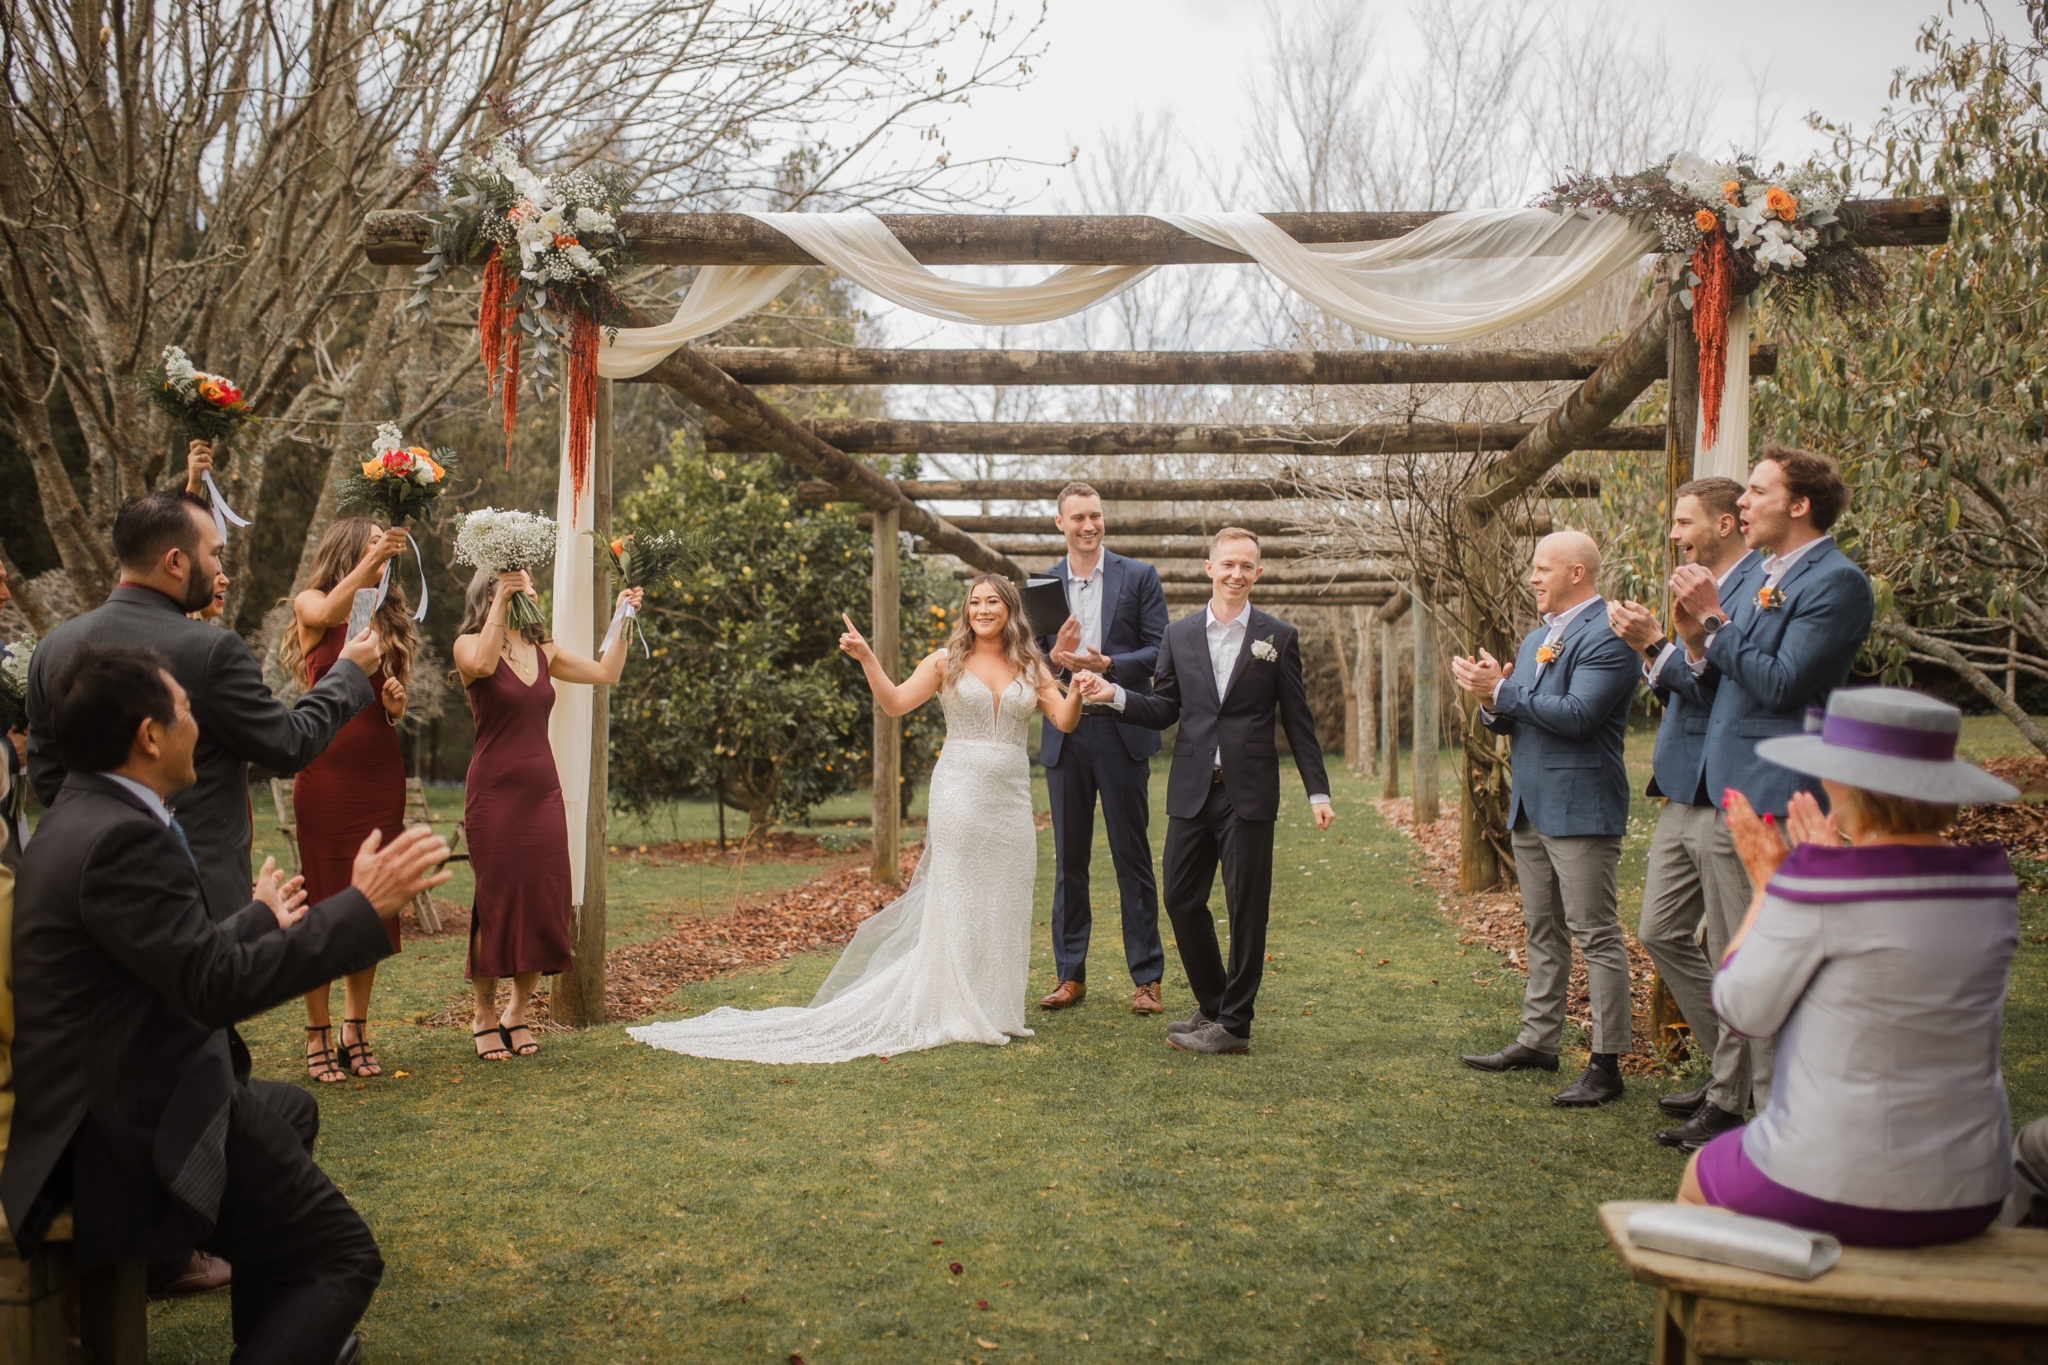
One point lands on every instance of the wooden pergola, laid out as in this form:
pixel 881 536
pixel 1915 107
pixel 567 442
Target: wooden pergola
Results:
pixel 718 381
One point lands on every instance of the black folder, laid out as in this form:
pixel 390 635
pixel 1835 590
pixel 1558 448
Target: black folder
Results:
pixel 1045 605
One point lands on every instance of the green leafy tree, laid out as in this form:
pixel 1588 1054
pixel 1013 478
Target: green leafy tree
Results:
pixel 1935 404
pixel 747 697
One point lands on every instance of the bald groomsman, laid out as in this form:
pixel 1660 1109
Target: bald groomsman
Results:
pixel 1564 706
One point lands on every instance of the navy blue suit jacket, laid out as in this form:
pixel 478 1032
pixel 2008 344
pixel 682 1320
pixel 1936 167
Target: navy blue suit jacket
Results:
pixel 1772 663
pixel 1678 767
pixel 1565 728
pixel 1133 624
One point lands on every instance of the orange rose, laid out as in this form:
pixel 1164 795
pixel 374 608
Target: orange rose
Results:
pixel 1731 191
pixel 439 473
pixel 209 390
pixel 619 546
pixel 563 239
pixel 1705 220
pixel 1546 654
pixel 1781 203
pixel 373 469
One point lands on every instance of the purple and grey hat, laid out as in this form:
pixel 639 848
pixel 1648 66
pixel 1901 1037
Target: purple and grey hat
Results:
pixel 1889 740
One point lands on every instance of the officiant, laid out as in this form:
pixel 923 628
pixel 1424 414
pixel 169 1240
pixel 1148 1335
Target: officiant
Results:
pixel 1117 617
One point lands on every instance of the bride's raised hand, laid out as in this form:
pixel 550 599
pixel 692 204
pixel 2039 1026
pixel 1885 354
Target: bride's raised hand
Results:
pixel 852 644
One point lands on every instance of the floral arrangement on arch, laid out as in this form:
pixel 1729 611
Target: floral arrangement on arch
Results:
pixel 398 481
pixel 551 250
pixel 205 406
pixel 1740 229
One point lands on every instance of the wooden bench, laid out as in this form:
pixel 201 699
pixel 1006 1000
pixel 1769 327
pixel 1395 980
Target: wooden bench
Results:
pixel 417 812
pixel 1981 1300
pixel 51 1315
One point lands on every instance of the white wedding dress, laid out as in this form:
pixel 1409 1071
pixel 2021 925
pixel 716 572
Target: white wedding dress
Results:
pixel 948 961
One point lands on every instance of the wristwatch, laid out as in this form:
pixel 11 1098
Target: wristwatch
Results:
pixel 1653 649
pixel 1712 625
pixel 1109 669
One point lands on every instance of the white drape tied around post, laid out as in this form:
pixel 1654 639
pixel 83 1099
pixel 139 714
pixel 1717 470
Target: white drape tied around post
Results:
pixel 1727 455
pixel 1457 277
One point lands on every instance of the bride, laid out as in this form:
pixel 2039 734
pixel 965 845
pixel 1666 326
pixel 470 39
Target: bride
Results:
pixel 948 960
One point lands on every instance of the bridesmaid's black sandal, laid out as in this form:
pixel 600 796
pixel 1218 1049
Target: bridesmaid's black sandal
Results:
pixel 492 1054
pixel 320 1063
pixel 526 1049
pixel 357 1056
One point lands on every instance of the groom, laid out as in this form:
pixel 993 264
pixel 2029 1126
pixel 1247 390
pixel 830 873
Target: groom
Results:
pixel 1224 791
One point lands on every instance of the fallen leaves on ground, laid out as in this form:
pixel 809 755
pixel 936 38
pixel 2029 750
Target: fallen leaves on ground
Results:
pixel 1493 919
pixel 2022 826
pixel 640 977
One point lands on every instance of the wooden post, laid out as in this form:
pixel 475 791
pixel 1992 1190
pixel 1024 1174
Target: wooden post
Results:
pixel 577 998
pixel 887 600
pixel 1368 692
pixel 1426 707
pixel 1681 421
pixel 1390 709
pixel 1348 683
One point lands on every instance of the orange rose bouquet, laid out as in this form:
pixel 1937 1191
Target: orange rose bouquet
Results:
pixel 205 407
pixel 398 481
pixel 638 561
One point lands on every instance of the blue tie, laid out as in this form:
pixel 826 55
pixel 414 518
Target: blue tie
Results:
pixel 178 833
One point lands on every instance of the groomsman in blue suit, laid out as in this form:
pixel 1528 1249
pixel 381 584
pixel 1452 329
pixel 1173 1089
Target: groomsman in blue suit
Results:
pixel 1564 706
pixel 1118 619
pixel 1686 884
pixel 1773 646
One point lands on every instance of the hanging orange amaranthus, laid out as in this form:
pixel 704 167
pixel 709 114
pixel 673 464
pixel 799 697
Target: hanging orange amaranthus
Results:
pixel 582 399
pixel 499 341
pixel 1710 303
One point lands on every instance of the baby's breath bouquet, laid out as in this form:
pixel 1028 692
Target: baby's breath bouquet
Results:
pixel 504 541
pixel 14 673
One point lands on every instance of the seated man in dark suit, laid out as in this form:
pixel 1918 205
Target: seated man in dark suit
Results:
pixel 169 552
pixel 132 1096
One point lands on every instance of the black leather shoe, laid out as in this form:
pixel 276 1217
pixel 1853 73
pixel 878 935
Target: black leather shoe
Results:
pixel 1686 1103
pixel 1513 1057
pixel 350 1349
pixel 1706 1124
pixel 1595 1086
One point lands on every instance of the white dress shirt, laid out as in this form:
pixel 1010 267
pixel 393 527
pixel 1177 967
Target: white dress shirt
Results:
pixel 1084 599
pixel 1557 621
pixel 1777 566
pixel 1226 642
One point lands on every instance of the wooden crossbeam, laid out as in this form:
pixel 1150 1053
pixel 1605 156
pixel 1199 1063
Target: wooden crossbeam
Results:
pixel 1153 548
pixel 399 237
pixel 1563 484
pixel 1184 573
pixel 856 365
pixel 1290 597
pixel 1129 526
pixel 888 436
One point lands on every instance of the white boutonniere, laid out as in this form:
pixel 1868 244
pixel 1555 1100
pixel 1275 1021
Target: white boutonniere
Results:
pixel 1263 650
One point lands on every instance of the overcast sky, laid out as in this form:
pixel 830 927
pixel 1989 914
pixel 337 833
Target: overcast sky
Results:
pixel 1198 60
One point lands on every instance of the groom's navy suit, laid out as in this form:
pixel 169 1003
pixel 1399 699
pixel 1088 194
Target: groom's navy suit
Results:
pixel 1105 757
pixel 1223 794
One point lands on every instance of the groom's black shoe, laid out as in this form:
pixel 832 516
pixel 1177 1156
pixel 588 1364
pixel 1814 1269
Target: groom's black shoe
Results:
pixel 1513 1057
pixel 1686 1103
pixel 1703 1127
pixel 1210 1037
pixel 1196 1019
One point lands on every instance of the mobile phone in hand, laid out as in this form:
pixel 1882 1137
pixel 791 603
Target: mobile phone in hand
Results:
pixel 360 612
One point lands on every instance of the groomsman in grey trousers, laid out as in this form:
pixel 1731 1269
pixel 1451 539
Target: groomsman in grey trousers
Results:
pixel 1564 706
pixel 1692 877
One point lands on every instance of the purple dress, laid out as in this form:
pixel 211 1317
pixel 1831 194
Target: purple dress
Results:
pixel 517 830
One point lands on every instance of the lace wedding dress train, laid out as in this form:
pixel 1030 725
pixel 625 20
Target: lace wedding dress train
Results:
pixel 948 961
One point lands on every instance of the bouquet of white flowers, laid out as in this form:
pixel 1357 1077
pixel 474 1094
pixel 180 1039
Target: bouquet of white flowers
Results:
pixel 504 541
pixel 14 673
pixel 398 481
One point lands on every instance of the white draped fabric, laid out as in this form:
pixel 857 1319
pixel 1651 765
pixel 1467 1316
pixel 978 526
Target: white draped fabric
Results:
pixel 1728 456
pixel 1460 276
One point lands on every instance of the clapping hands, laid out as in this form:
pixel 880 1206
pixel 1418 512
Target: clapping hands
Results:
pixel 1480 676
pixel 1068 654
pixel 287 899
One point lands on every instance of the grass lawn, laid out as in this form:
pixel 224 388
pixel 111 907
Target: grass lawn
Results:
pixel 1346 1191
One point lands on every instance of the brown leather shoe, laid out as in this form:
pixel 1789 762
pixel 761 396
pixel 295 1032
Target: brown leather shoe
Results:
pixel 203 1274
pixel 1069 993
pixel 1145 999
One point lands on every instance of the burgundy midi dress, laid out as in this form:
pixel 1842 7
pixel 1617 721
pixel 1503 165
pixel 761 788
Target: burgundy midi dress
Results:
pixel 357 784
pixel 517 830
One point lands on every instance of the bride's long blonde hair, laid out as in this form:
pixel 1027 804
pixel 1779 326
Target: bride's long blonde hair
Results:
pixel 1019 648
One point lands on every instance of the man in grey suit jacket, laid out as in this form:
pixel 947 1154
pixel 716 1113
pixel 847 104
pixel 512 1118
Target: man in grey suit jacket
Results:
pixel 1773 647
pixel 1564 706
pixel 1685 883
pixel 169 552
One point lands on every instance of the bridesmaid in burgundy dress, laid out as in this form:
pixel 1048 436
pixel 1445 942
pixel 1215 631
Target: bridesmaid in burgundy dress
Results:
pixel 358 783
pixel 512 810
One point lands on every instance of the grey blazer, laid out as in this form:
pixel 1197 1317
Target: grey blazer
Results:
pixel 1566 728
pixel 1773 663
pixel 1882 970
pixel 239 723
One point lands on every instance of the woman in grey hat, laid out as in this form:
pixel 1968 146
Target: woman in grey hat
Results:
pixel 1877 953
